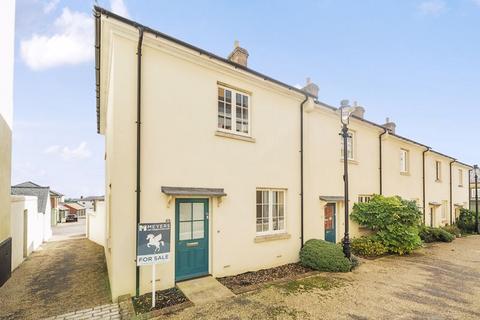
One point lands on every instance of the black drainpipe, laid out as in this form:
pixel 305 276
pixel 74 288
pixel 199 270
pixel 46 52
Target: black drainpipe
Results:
pixel 423 180
pixel 301 169
pixel 381 166
pixel 451 192
pixel 139 114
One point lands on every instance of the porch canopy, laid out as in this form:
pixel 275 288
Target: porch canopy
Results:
pixel 331 198
pixel 435 204
pixel 188 191
pixel 194 192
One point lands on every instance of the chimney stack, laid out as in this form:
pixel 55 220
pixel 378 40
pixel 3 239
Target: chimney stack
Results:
pixel 390 126
pixel 359 110
pixel 311 88
pixel 239 55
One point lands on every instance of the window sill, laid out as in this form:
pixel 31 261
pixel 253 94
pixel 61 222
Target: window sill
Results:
pixel 405 174
pixel 351 161
pixel 272 237
pixel 223 134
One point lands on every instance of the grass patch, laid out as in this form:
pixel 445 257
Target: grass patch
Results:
pixel 310 284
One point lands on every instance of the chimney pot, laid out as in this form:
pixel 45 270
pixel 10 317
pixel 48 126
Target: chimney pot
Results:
pixel 239 55
pixel 311 88
pixel 359 110
pixel 390 126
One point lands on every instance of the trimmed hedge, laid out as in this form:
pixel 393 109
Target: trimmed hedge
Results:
pixel 324 256
pixel 453 230
pixel 466 221
pixel 429 234
pixel 368 246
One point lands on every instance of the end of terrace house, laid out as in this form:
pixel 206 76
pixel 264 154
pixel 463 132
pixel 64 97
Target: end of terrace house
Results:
pixel 245 167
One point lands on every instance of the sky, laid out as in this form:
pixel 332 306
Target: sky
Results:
pixel 414 61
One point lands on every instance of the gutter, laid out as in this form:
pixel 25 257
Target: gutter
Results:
pixel 451 192
pixel 139 118
pixel 380 159
pixel 423 181
pixel 301 170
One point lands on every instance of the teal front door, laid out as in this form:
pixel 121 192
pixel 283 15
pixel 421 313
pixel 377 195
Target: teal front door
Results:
pixel 330 222
pixel 191 238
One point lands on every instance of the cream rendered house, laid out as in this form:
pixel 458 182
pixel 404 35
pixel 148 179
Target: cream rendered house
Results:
pixel 245 167
pixel 7 25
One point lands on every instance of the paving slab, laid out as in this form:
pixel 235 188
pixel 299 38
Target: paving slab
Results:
pixel 204 290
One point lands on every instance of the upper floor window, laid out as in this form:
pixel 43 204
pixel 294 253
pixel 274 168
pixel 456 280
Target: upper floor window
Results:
pixel 270 211
pixel 438 171
pixel 460 177
pixel 364 198
pixel 404 161
pixel 350 146
pixel 233 111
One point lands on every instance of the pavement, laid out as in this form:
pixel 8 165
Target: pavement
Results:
pixel 440 281
pixel 204 290
pixel 69 230
pixel 60 278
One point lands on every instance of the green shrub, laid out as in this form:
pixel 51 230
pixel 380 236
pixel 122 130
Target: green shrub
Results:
pixel 324 256
pixel 395 221
pixel 368 246
pixel 466 221
pixel 453 230
pixel 429 234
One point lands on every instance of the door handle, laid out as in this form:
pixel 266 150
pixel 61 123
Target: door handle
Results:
pixel 192 244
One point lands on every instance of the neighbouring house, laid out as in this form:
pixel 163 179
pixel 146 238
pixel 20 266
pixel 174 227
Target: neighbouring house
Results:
pixel 62 213
pixel 75 208
pixel 87 202
pixel 473 192
pixel 245 167
pixel 43 203
pixel 7 36
pixel 55 199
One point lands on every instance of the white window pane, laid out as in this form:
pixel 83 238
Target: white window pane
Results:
pixel 185 232
pixel 198 230
pixel 198 211
pixel 185 212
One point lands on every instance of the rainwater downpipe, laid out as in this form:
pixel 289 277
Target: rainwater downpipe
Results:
pixel 451 192
pixel 139 117
pixel 423 181
pixel 381 159
pixel 301 169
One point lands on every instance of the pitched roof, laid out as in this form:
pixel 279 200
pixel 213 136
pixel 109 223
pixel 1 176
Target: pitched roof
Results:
pixel 74 205
pixel 56 194
pixel 32 189
pixel 99 11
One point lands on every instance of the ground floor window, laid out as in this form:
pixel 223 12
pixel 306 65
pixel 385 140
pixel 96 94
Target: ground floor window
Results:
pixel 270 211
pixel 364 198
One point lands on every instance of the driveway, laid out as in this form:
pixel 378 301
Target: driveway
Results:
pixel 69 230
pixel 61 277
pixel 441 281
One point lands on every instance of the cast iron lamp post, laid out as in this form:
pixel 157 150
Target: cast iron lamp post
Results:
pixel 345 112
pixel 476 172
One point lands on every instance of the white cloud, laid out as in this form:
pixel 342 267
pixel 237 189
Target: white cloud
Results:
pixel 119 7
pixel 49 6
pixel 72 44
pixel 67 153
pixel 432 7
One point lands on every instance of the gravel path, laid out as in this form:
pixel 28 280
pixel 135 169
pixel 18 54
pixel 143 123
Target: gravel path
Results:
pixel 63 276
pixel 441 281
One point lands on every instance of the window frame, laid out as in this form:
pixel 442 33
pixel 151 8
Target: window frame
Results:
pixel 352 144
pixel 234 93
pixel 270 230
pixel 406 167
pixel 460 178
pixel 364 198
pixel 438 171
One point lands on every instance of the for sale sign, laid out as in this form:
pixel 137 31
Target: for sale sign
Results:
pixel 153 243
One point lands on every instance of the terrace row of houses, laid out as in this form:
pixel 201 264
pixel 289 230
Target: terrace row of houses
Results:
pixel 245 167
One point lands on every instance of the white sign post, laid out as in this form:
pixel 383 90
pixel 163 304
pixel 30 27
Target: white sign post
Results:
pixel 153 247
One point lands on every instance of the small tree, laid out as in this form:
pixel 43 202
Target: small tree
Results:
pixel 396 222
pixel 466 221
